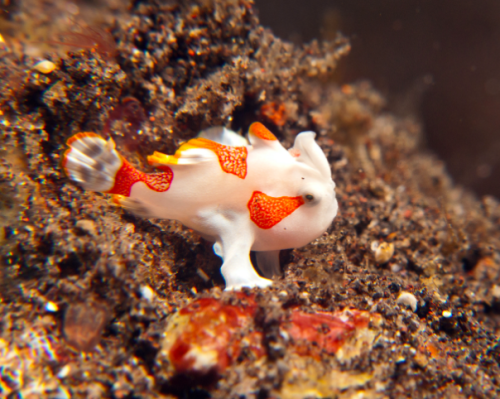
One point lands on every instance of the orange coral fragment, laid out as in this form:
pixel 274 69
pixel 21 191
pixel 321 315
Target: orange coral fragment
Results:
pixel 275 112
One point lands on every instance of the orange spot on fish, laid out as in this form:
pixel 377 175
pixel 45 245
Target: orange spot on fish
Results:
pixel 260 131
pixel 231 159
pixel 267 211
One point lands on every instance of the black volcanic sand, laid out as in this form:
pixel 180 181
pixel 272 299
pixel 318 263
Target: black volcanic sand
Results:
pixel 70 256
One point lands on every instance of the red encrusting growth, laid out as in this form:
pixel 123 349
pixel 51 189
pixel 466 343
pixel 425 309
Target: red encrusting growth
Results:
pixel 212 333
pixel 328 332
pixel 267 211
pixel 127 176
pixel 260 131
pixel 209 334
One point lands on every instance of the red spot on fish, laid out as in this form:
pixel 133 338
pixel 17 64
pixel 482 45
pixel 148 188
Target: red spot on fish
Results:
pixel 267 211
pixel 127 176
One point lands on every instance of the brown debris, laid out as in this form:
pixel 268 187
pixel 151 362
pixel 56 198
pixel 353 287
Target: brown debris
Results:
pixel 83 324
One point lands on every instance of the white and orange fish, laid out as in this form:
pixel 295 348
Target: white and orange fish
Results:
pixel 243 197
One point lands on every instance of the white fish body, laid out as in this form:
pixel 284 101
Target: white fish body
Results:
pixel 243 197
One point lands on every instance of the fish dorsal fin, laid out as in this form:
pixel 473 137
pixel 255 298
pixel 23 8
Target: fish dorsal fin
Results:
pixel 232 159
pixel 260 136
pixel 224 136
pixel 306 150
pixel 203 148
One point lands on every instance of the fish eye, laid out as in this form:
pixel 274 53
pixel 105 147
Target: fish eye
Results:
pixel 309 197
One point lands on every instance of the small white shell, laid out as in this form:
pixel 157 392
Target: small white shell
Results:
pixel 147 293
pixel 87 225
pixel 51 307
pixel 45 66
pixel 408 299
pixel 384 252
pixel 64 372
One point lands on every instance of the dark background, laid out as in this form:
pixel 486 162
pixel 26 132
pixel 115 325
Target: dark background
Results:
pixel 437 59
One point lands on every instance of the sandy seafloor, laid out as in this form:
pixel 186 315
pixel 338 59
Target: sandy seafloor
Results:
pixel 98 303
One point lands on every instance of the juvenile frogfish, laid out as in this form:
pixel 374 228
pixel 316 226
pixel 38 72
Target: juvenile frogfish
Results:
pixel 242 196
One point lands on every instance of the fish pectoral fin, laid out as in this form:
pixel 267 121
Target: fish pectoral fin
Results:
pixel 158 159
pixel 268 263
pixel 235 239
pixel 133 205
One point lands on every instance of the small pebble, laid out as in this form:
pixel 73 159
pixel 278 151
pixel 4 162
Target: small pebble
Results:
pixel 45 66
pixel 384 252
pixel 203 275
pixel 147 293
pixel 447 314
pixel 51 307
pixel 129 228
pixel 87 226
pixel 83 324
pixel 304 295
pixel 61 393
pixel 408 299
pixel 64 372
pixel 495 291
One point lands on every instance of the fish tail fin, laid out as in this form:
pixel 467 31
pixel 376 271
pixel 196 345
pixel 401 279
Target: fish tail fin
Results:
pixel 92 162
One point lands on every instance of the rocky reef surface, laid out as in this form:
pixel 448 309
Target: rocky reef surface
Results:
pixel 399 298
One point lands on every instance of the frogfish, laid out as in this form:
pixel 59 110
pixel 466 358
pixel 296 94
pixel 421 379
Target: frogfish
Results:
pixel 242 196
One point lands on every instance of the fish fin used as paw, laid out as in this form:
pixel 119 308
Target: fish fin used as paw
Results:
pixel 133 205
pixel 268 263
pixel 233 246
